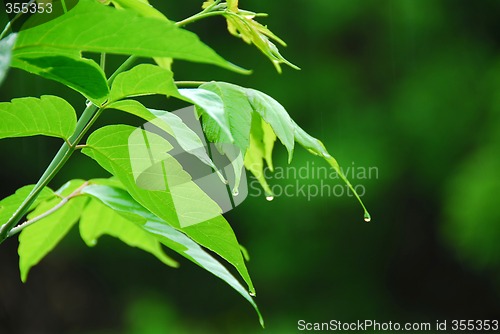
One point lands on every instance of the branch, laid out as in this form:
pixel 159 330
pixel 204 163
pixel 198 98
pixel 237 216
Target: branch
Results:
pixel 59 205
pixel 89 116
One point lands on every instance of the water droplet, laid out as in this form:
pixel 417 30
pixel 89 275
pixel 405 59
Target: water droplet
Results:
pixel 235 192
pixel 88 103
pixel 253 294
pixel 269 198
pixel 367 217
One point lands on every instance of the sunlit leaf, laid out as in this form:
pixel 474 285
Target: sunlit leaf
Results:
pixel 37 240
pixel 120 201
pixel 158 182
pixel 143 79
pixel 242 24
pixel 239 114
pixel 93 27
pixel 211 104
pixel 98 219
pixel 170 123
pixel 29 116
pixel 272 121
pixel 262 140
pixel 140 6
pixel 9 205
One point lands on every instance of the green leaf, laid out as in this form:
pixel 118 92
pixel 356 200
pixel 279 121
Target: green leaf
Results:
pixel 29 116
pixel 141 7
pixel 158 182
pixel 37 240
pixel 316 147
pixel 6 46
pixel 239 114
pixel 272 121
pixel 82 75
pixel 262 140
pixel 98 219
pixel 238 111
pixel 10 204
pixel 275 115
pixel 143 79
pixel 91 26
pixel 241 23
pixel 239 103
pixel 173 125
pixel 120 201
pixel 211 104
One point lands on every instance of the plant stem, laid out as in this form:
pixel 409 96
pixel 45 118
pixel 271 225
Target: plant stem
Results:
pixel 126 65
pixel 89 116
pixel 212 10
pixel 103 62
pixel 63 2
pixel 87 119
pixel 190 83
pixel 197 17
pixel 59 205
pixel 58 161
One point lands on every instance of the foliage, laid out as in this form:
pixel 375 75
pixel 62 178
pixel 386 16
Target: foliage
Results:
pixel 184 219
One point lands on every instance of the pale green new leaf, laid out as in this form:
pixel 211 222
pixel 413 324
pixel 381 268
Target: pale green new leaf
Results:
pixel 143 79
pixel 262 140
pixel 91 26
pixel 241 23
pixel 170 123
pixel 6 46
pixel 37 240
pixel 82 75
pixel 10 204
pixel 98 219
pixel 232 5
pixel 121 202
pixel 29 116
pixel 158 182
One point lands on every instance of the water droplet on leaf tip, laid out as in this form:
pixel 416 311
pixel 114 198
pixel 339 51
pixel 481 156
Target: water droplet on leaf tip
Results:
pixel 253 294
pixel 235 192
pixel 367 218
pixel 269 198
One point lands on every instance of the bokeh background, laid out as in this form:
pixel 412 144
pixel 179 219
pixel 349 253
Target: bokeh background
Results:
pixel 409 87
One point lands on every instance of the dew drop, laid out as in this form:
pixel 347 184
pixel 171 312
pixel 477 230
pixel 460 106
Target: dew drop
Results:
pixel 367 218
pixel 269 198
pixel 235 192
pixel 253 294
pixel 88 103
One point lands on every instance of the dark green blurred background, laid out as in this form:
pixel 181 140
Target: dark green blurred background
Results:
pixel 410 87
